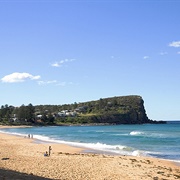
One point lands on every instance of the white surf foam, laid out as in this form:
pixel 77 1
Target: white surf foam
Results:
pixel 136 133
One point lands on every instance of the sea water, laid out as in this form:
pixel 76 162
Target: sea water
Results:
pixel 153 140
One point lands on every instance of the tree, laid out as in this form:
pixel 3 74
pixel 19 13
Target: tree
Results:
pixel 26 113
pixel 50 119
pixel 6 112
pixel 30 113
pixel 21 113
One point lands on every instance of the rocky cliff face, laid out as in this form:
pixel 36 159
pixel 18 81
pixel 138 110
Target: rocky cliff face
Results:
pixel 135 109
pixel 122 110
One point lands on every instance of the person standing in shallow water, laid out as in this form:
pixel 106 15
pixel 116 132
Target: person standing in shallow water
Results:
pixel 50 150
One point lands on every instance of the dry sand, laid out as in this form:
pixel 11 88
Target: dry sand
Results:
pixel 21 158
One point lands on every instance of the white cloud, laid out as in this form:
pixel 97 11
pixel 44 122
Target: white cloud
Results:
pixel 163 53
pixel 18 77
pixel 146 57
pixel 66 84
pixel 175 44
pixel 61 84
pixel 60 63
pixel 115 57
pixel 178 52
pixel 46 82
pixel 56 83
pixel 56 64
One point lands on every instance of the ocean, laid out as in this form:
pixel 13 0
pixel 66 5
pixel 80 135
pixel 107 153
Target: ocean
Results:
pixel 151 140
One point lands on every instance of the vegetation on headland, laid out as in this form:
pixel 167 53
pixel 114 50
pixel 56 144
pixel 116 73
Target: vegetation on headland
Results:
pixel 115 110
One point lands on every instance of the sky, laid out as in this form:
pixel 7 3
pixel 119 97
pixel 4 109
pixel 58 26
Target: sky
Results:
pixel 60 52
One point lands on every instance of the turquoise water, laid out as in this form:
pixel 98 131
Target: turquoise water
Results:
pixel 156 140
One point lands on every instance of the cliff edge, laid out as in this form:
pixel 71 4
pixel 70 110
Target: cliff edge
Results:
pixel 114 110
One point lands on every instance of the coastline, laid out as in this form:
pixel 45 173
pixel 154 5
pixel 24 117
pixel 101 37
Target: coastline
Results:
pixel 25 157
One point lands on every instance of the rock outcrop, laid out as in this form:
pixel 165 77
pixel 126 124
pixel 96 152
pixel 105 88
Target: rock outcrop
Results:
pixel 118 110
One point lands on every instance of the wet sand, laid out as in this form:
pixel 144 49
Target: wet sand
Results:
pixel 22 158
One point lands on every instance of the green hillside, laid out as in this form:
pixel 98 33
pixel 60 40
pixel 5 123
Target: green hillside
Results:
pixel 114 110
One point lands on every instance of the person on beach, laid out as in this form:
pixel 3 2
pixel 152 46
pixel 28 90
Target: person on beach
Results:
pixel 50 150
pixel 46 153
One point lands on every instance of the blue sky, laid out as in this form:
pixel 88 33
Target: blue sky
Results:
pixel 61 52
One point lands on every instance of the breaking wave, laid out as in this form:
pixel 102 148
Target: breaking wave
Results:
pixel 136 133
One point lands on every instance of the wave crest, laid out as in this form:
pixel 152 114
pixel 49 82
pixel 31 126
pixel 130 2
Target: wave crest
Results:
pixel 136 133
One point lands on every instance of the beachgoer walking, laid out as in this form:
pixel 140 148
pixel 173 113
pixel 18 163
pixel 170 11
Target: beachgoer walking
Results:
pixel 50 150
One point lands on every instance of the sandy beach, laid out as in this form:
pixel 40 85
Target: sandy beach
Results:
pixel 23 158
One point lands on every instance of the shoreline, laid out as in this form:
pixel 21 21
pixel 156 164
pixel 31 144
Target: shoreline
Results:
pixel 26 158
pixel 84 149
